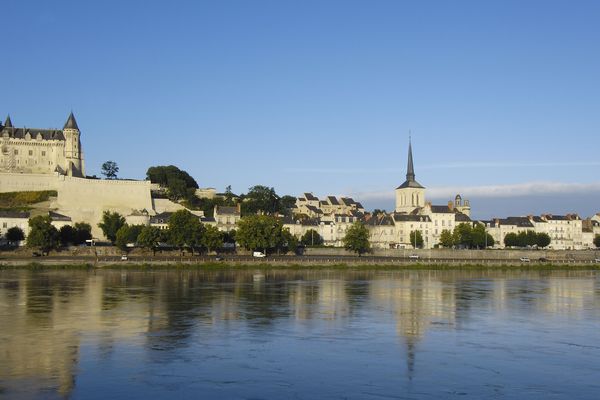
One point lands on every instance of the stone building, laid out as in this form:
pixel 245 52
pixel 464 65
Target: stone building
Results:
pixel 41 151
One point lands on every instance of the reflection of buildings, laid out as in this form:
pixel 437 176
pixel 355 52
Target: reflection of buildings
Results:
pixel 49 318
pixel 417 302
pixel 569 295
pixel 332 299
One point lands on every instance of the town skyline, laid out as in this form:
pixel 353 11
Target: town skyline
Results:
pixel 321 97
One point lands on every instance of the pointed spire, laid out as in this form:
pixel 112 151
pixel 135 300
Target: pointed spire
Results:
pixel 410 169
pixel 71 123
pixel 8 122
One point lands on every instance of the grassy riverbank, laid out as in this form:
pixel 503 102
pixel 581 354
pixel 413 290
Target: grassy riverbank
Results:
pixel 297 266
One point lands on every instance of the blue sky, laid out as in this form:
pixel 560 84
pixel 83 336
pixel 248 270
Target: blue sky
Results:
pixel 502 97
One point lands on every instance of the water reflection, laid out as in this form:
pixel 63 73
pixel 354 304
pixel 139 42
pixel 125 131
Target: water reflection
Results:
pixel 57 326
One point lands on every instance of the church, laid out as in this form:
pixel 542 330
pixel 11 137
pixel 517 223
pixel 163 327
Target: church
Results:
pixel 42 151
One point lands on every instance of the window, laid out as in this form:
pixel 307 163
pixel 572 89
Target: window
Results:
pixel 16 152
pixel 30 152
pixel 4 224
pixel 43 153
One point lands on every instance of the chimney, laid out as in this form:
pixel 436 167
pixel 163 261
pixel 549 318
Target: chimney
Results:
pixel 451 205
pixel 238 207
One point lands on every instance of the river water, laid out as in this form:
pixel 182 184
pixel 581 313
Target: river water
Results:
pixel 279 334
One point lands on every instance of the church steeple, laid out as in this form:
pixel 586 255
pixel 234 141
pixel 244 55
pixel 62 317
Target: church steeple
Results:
pixel 71 123
pixel 8 122
pixel 410 169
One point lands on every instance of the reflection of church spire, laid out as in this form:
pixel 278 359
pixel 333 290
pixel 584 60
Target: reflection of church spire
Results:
pixel 411 347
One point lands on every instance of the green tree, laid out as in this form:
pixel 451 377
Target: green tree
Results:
pixel 83 232
pixel 185 230
pixel 289 242
pixel 149 238
pixel 110 169
pixel 543 240
pixel 42 234
pixel 259 232
pixel 67 235
pixel 179 184
pixel 446 239
pixel 111 223
pixel 311 238
pixel 511 240
pixel 597 241
pixel 286 204
pixel 14 234
pixel 127 234
pixel 463 235
pixel 260 199
pixel 357 239
pixel 212 239
pixel 416 239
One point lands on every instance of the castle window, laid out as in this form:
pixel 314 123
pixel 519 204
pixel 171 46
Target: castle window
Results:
pixel 43 153
pixel 30 152
pixel 16 152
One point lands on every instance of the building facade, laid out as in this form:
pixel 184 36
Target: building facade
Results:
pixel 42 151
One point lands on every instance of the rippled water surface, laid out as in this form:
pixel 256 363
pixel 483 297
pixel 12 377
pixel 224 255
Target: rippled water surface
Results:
pixel 299 334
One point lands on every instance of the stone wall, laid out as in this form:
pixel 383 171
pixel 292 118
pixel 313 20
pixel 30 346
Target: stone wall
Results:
pixel 15 182
pixel 448 254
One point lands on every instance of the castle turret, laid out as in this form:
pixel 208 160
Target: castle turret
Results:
pixel 410 195
pixel 8 122
pixel 74 165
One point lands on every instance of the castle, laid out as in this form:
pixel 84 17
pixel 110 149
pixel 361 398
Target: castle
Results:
pixel 42 151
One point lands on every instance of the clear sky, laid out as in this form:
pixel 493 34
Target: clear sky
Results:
pixel 502 97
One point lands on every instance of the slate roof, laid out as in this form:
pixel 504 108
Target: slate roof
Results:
pixel 58 217
pixel 411 217
pixel 380 220
pixel 14 214
pixel 46 134
pixel 441 210
pixel 71 123
pixel 460 217
pixel 521 222
pixel 333 200
pixel 161 218
pixel 309 196
pixel 227 210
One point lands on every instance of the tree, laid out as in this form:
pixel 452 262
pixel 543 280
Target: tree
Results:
pixel 110 169
pixel 259 232
pixel 597 241
pixel 15 234
pixel 463 235
pixel 149 238
pixel 416 239
pixel 446 239
pixel 286 204
pixel 289 242
pixel 83 232
pixel 311 238
pixel 185 230
pixel 260 199
pixel 127 234
pixel 543 240
pixel 111 223
pixel 511 240
pixel 66 235
pixel 42 234
pixel 179 184
pixel 212 238
pixel 357 239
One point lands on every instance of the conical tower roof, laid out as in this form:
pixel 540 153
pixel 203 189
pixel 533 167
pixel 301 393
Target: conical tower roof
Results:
pixel 71 123
pixel 410 172
pixel 8 122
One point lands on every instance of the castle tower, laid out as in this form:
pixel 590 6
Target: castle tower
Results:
pixel 74 165
pixel 410 195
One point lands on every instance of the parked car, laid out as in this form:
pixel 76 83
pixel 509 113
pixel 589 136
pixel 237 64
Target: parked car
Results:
pixel 218 258
pixel 542 259
pixel 258 254
pixel 414 256
pixel 124 257
pixel 525 259
pixel 597 260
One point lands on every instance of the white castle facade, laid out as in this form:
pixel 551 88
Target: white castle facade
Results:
pixel 41 151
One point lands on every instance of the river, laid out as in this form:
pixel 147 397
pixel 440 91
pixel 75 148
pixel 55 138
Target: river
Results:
pixel 301 334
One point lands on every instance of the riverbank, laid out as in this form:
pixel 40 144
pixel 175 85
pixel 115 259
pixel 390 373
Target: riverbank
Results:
pixel 358 264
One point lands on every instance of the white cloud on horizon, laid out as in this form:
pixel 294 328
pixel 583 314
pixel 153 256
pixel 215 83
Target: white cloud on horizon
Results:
pixel 467 165
pixel 493 191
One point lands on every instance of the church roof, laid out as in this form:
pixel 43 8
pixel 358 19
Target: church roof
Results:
pixel 71 123
pixel 410 172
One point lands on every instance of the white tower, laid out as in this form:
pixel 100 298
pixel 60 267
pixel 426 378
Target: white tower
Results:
pixel 74 165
